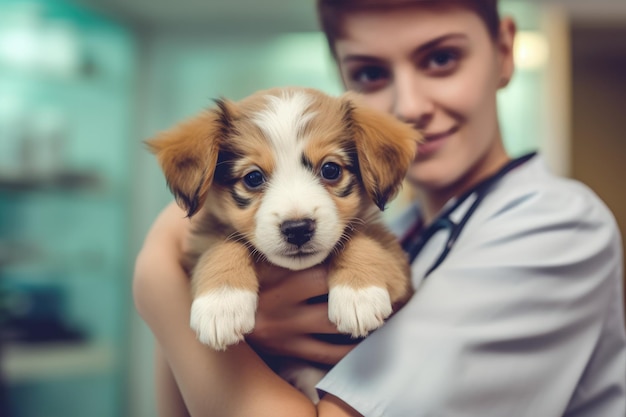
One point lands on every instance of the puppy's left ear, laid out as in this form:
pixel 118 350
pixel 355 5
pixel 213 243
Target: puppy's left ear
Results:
pixel 385 148
pixel 188 154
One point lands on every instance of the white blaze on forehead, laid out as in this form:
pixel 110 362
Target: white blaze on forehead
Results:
pixel 293 191
pixel 285 118
pixel 283 121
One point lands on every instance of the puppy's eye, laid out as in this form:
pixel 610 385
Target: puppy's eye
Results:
pixel 330 171
pixel 254 179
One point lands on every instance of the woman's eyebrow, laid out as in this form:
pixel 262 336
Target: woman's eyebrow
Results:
pixel 420 49
pixel 361 58
pixel 434 42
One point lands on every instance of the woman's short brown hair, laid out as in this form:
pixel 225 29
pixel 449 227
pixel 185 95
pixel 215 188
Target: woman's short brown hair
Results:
pixel 331 13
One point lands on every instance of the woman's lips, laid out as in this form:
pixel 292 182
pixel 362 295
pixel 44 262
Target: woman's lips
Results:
pixel 433 142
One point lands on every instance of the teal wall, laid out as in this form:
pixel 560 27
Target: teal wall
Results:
pixel 520 103
pixel 70 237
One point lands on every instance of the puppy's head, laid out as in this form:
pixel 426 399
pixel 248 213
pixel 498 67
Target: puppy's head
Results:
pixel 288 169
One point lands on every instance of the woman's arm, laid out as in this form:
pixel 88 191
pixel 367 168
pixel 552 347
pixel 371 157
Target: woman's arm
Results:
pixel 169 401
pixel 232 383
pixel 166 235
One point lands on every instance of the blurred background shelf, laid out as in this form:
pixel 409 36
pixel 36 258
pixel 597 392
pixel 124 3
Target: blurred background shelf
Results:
pixel 23 363
pixel 66 145
pixel 62 181
pixel 14 253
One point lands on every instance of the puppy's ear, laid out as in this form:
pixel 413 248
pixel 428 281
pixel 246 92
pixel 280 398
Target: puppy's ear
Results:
pixel 188 154
pixel 385 148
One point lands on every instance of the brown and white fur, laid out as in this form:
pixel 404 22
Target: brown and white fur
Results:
pixel 293 177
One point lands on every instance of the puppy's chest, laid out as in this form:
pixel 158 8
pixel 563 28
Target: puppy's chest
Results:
pixel 207 232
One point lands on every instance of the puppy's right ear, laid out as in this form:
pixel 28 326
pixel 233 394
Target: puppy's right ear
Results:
pixel 189 151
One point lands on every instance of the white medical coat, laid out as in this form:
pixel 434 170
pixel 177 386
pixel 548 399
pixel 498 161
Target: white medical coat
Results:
pixel 524 318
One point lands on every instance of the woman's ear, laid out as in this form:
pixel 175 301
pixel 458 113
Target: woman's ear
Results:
pixel 188 154
pixel 505 47
pixel 385 148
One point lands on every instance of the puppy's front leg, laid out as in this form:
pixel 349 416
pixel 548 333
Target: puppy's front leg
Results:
pixel 366 279
pixel 225 289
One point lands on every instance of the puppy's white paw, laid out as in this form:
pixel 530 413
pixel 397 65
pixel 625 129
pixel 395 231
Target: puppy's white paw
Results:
pixel 222 317
pixel 358 311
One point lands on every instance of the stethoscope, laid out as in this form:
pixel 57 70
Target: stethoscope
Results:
pixel 415 241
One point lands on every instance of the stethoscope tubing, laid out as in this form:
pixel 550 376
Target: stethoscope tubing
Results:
pixel 443 221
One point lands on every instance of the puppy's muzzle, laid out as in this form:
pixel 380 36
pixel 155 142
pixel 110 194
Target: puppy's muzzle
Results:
pixel 298 232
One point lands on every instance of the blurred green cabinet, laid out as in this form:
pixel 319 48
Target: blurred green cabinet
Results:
pixel 66 117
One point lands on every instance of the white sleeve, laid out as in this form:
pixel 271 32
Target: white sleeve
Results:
pixel 506 326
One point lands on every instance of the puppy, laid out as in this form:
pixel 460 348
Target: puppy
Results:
pixel 295 178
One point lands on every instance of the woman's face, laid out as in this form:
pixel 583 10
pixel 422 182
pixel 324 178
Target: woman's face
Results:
pixel 436 67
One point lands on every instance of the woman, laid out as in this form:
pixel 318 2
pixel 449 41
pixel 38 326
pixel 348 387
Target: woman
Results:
pixel 523 315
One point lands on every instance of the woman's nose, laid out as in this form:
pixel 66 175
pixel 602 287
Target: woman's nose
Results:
pixel 411 103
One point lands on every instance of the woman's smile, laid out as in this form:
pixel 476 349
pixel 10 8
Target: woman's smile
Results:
pixel 434 141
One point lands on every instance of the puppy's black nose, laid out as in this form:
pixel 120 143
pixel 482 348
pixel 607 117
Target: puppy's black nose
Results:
pixel 298 232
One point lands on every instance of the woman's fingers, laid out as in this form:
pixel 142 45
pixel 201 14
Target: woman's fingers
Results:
pixel 292 316
pixel 313 350
pixel 306 334
pixel 279 285
pixel 303 319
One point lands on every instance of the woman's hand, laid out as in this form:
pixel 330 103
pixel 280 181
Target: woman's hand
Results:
pixel 290 323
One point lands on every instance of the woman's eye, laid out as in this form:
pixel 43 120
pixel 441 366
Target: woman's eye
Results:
pixel 330 171
pixel 369 74
pixel 254 179
pixel 443 60
pixel 368 78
